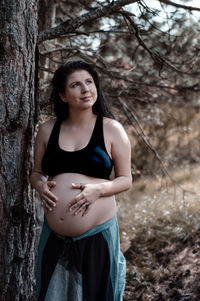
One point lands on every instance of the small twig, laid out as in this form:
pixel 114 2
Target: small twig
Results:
pixel 190 8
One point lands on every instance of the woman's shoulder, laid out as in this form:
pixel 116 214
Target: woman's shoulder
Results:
pixel 47 125
pixel 112 125
pixel 45 129
pixel 114 130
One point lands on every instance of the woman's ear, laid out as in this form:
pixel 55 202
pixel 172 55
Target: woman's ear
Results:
pixel 63 97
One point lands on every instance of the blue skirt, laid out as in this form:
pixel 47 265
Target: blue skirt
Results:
pixel 89 267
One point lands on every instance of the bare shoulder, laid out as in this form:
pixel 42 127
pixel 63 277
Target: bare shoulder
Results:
pixel 45 130
pixel 113 127
pixel 47 125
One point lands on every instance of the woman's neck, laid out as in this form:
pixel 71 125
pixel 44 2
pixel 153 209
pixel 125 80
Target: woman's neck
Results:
pixel 81 117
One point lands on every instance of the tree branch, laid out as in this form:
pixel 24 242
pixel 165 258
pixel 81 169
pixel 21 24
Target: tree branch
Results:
pixel 116 74
pixel 71 25
pixel 157 58
pixel 168 2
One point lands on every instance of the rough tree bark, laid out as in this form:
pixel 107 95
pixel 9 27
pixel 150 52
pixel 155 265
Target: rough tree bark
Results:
pixel 18 114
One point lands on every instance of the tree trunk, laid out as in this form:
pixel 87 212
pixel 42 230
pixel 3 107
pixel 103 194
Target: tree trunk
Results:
pixel 18 114
pixel 47 18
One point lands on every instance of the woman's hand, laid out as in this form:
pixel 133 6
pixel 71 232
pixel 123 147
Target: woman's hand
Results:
pixel 48 198
pixel 83 201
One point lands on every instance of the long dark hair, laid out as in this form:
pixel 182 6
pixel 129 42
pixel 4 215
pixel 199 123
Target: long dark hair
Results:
pixel 61 109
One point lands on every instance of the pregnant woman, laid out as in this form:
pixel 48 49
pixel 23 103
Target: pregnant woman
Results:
pixel 79 257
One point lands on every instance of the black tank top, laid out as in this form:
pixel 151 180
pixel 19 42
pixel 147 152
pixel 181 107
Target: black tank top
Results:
pixel 92 160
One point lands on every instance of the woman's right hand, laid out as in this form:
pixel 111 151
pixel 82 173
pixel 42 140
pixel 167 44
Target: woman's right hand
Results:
pixel 48 198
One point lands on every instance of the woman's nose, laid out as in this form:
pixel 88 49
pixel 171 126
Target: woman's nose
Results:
pixel 85 88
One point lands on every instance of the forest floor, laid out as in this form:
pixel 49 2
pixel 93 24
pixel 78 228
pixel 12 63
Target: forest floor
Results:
pixel 160 237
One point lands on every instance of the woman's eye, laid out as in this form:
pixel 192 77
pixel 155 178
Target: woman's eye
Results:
pixel 77 84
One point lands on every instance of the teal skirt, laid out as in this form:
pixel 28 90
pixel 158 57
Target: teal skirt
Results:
pixel 89 267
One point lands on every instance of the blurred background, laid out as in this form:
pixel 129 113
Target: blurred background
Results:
pixel 148 57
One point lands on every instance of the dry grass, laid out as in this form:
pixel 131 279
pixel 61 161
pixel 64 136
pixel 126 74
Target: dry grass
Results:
pixel 159 227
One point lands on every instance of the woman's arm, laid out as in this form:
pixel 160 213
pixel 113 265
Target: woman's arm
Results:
pixel 121 155
pixel 38 179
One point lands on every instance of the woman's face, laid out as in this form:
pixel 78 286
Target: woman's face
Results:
pixel 80 90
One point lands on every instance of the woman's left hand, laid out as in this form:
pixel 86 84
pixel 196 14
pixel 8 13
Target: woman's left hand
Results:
pixel 83 201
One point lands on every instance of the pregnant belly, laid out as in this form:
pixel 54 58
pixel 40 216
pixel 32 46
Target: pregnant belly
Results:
pixel 63 221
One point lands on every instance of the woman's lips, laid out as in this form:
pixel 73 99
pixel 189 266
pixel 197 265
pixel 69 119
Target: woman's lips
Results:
pixel 86 98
